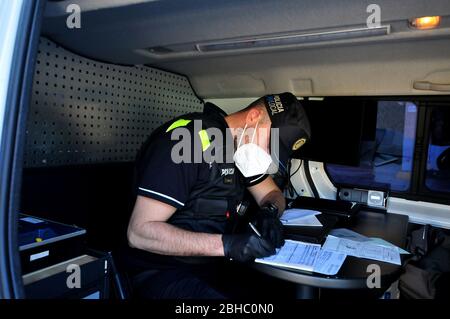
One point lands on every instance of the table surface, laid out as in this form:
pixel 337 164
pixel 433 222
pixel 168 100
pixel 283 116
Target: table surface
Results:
pixel 353 273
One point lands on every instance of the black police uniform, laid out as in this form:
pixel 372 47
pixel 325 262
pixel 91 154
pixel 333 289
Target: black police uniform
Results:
pixel 206 196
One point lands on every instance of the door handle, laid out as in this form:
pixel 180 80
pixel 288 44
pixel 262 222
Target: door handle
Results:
pixel 430 86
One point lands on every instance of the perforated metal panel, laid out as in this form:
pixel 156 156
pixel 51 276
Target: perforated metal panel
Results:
pixel 84 111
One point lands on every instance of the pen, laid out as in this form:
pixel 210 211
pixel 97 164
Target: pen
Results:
pixel 254 229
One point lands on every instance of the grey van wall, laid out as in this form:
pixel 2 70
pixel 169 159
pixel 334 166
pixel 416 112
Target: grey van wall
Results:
pixel 84 111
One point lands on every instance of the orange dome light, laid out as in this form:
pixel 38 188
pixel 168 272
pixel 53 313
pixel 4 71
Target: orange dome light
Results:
pixel 425 23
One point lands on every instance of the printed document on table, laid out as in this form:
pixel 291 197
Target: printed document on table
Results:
pixel 296 213
pixel 305 256
pixel 310 221
pixel 329 262
pixel 345 233
pixel 363 249
pixel 300 217
pixel 382 242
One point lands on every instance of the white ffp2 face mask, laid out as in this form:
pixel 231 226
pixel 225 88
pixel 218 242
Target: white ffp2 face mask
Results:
pixel 251 159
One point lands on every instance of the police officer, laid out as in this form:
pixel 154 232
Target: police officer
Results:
pixel 192 174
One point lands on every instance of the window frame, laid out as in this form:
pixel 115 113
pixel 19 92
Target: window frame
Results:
pixel 24 36
pixel 422 188
pixel 418 191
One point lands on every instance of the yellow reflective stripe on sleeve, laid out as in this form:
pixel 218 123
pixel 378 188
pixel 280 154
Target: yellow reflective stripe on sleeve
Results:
pixel 204 139
pixel 178 123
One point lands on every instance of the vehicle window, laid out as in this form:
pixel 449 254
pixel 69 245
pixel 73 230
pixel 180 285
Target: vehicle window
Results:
pixel 386 156
pixel 438 163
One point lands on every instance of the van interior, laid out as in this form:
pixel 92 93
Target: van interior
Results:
pixel 377 93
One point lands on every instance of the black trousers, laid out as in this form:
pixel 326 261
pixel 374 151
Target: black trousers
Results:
pixel 228 281
pixel 176 284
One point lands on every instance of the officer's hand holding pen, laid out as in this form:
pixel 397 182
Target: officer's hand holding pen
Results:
pixel 269 226
pixel 265 235
pixel 246 247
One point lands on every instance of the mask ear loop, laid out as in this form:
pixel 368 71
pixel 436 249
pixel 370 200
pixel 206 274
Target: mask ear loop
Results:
pixel 281 164
pixel 242 135
pixel 254 132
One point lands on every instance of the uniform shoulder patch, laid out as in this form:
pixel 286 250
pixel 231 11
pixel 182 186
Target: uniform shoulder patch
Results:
pixel 178 123
pixel 299 143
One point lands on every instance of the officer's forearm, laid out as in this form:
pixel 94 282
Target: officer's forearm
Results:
pixel 163 238
pixel 275 197
pixel 268 192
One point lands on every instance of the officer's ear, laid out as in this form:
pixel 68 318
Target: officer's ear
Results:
pixel 254 115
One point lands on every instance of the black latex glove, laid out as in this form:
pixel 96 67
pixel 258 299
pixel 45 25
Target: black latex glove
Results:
pixel 268 223
pixel 246 247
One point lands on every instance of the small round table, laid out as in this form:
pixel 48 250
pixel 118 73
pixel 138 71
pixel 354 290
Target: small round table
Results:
pixel 355 271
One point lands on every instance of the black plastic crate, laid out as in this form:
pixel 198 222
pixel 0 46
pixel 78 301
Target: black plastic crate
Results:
pixel 43 243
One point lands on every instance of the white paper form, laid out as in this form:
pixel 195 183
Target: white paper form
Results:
pixel 350 234
pixel 363 249
pixel 329 262
pixel 295 213
pixel 305 256
pixel 300 217
pixel 302 255
pixel 310 221
pixel 382 242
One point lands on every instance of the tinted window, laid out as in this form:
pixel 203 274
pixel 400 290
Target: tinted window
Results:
pixel 386 154
pixel 339 118
pixel 438 163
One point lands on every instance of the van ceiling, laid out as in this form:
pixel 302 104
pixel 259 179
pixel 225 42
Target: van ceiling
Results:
pixel 169 34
